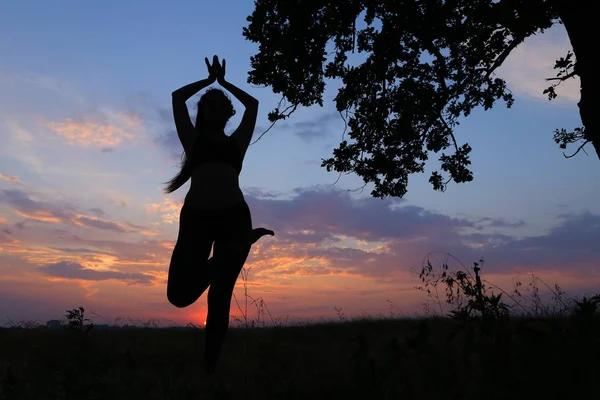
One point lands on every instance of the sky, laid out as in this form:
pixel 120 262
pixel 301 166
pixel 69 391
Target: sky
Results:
pixel 87 140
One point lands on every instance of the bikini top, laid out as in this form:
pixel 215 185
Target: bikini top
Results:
pixel 226 151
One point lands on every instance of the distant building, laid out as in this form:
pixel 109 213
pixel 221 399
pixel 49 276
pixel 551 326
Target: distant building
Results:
pixel 53 323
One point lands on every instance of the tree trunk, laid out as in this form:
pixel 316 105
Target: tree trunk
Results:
pixel 580 21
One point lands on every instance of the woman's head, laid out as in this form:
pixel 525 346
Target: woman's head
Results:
pixel 214 110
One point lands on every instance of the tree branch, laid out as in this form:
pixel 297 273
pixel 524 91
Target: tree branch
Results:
pixel 449 131
pixel 564 78
pixel 357 189
pixel 502 57
pixel 273 123
pixel 578 150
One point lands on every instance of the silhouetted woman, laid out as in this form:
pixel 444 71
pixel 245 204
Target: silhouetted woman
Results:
pixel 214 210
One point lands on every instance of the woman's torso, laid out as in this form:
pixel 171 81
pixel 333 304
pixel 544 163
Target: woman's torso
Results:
pixel 214 185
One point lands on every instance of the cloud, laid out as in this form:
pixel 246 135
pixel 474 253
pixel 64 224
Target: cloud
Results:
pixel 527 67
pixel 41 245
pixel 7 241
pixel 382 239
pixel 168 138
pixel 20 224
pixel 103 132
pixel 326 241
pixel 258 193
pixel 94 222
pixel 40 81
pixel 486 222
pixel 70 270
pixel 335 211
pixel 571 242
pixel 25 205
pixel 329 249
pixel 97 212
pixel 165 115
pixel 9 178
pixel 317 127
pixel 19 144
pixel 169 208
pixel 170 142
pixel 325 232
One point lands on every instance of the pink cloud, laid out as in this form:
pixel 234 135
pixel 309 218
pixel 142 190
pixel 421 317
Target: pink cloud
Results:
pixel 169 208
pixel 98 132
pixel 9 178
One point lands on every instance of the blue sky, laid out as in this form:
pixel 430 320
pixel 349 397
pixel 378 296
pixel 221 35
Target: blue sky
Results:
pixel 86 135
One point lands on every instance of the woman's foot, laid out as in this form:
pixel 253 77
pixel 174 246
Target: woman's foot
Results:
pixel 257 233
pixel 249 238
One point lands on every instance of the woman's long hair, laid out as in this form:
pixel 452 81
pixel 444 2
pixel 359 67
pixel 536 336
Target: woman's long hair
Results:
pixel 187 164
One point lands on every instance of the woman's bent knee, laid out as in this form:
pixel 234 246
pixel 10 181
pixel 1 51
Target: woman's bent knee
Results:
pixel 177 299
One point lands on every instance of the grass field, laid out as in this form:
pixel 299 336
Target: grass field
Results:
pixel 479 351
pixel 380 359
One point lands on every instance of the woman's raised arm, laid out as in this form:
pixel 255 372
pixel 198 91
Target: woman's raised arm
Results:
pixel 183 124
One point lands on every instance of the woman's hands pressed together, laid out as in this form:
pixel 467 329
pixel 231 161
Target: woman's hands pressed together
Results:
pixel 216 71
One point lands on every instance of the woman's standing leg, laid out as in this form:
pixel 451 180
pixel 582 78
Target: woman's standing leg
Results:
pixel 231 251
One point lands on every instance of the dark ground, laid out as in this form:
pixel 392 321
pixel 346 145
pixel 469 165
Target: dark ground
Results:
pixel 376 359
